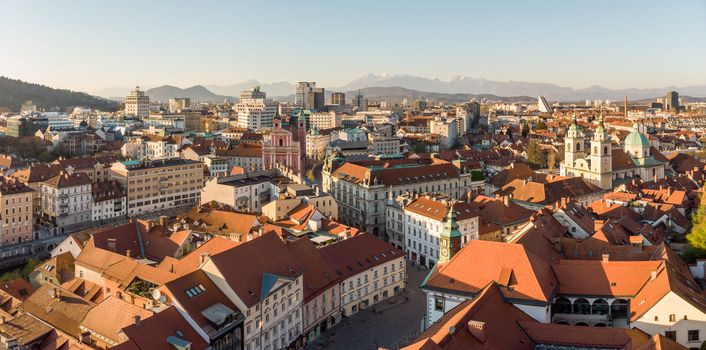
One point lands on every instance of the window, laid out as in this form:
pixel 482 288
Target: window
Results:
pixel 693 335
pixel 672 318
pixel 439 304
pixel 671 335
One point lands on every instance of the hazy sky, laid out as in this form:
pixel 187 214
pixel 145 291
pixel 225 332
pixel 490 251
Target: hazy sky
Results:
pixel 89 45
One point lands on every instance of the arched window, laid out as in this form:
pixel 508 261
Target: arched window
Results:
pixel 605 150
pixel 595 150
pixel 578 147
pixel 281 142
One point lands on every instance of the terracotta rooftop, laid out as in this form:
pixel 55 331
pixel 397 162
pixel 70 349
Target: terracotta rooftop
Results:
pixel 248 283
pixel 65 312
pixel 521 273
pixel 64 180
pixel 359 253
pixel 109 317
pixel 153 333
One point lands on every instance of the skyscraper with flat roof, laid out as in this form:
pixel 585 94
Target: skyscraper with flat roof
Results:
pixel 671 103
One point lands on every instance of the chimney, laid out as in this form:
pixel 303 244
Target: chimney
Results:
pixel 653 275
pixel 477 329
pixel 112 244
pixel 506 201
pixel 127 252
pixel 605 257
pixel 138 320
pixel 163 221
pixel 203 257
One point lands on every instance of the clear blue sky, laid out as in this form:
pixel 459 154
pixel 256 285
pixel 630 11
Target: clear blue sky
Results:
pixel 89 45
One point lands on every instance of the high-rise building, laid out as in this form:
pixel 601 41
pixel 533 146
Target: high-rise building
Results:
pixel 254 110
pixel 360 102
pixel 177 104
pixel 319 99
pixel 137 103
pixel 304 96
pixel 672 101
pixel 338 98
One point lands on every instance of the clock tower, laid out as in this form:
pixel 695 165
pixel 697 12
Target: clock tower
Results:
pixel 450 237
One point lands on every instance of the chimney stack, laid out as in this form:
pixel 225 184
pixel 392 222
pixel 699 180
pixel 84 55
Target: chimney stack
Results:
pixel 203 257
pixel 626 107
pixel 163 221
pixel 127 252
pixel 653 275
pixel 605 257
pixel 112 244
pixel 138 320
pixel 506 201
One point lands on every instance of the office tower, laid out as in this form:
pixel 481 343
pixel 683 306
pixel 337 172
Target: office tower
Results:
pixel 338 98
pixel 319 99
pixel 179 103
pixel 304 96
pixel 671 102
pixel 255 113
pixel 360 102
pixel 137 103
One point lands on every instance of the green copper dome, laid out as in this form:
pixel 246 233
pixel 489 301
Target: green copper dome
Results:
pixel 637 139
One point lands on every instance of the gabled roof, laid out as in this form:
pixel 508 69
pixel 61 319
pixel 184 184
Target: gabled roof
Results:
pixel 206 295
pixel 65 312
pixel 318 275
pixel 155 332
pixel 495 319
pixel 111 315
pixel 191 262
pixel 603 278
pixel 482 262
pixel 64 180
pixel 359 253
pixel 243 267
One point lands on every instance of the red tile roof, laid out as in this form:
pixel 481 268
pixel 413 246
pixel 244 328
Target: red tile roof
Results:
pixel 266 254
pixel 359 253
pixel 153 332
pixel 481 262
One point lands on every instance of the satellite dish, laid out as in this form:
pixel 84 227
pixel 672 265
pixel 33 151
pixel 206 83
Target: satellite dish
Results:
pixel 156 294
pixel 162 298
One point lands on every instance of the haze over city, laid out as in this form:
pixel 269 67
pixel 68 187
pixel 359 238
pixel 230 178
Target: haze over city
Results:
pixel 89 46
pixel 359 175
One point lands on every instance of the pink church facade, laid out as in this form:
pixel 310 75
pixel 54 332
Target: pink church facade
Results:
pixel 282 150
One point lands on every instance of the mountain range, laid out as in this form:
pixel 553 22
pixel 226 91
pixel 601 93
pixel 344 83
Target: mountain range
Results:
pixel 458 85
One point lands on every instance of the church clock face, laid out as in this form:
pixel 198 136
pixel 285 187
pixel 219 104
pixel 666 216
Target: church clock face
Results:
pixel 444 252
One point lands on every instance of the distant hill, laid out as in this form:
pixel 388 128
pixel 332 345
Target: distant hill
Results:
pixel 276 89
pixel 197 93
pixel 13 93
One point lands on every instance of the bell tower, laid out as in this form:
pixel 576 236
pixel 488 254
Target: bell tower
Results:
pixel 602 156
pixel 450 237
pixel 573 146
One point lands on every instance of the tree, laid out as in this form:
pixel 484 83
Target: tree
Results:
pixel 535 155
pixel 697 236
pixel 525 130
pixel 541 125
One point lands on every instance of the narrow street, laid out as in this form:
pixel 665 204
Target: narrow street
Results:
pixel 395 323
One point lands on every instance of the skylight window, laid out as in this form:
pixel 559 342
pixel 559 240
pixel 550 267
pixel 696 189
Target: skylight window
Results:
pixel 194 291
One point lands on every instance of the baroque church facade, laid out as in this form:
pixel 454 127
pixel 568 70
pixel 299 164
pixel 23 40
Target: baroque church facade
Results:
pixel 605 166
